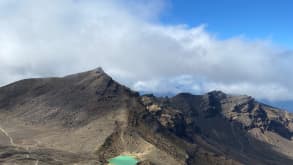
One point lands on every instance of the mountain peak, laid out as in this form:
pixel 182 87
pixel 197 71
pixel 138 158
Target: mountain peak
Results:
pixel 99 70
pixel 90 74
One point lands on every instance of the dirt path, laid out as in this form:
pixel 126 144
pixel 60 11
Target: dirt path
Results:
pixel 15 145
pixel 8 136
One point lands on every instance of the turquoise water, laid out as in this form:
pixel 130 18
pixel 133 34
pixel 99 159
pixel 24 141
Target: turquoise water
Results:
pixel 123 160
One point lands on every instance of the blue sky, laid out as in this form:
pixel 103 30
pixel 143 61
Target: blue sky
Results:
pixel 255 19
pixel 252 19
pixel 158 46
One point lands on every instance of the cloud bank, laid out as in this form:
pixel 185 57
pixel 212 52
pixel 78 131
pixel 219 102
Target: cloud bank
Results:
pixel 125 37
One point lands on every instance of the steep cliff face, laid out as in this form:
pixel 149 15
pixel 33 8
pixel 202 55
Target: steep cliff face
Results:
pixel 87 118
pixel 225 128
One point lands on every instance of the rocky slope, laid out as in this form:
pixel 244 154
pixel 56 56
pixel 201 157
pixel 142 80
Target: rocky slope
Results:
pixel 87 118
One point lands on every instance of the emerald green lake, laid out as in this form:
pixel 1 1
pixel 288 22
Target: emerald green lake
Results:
pixel 123 160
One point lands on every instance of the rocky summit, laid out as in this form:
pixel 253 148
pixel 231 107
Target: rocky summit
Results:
pixel 89 118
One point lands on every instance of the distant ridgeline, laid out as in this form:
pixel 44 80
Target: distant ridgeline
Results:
pixel 286 105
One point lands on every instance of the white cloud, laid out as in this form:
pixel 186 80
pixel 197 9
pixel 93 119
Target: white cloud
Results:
pixel 51 38
pixel 268 91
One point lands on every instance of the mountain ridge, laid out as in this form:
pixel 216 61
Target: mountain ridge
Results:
pixel 87 118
